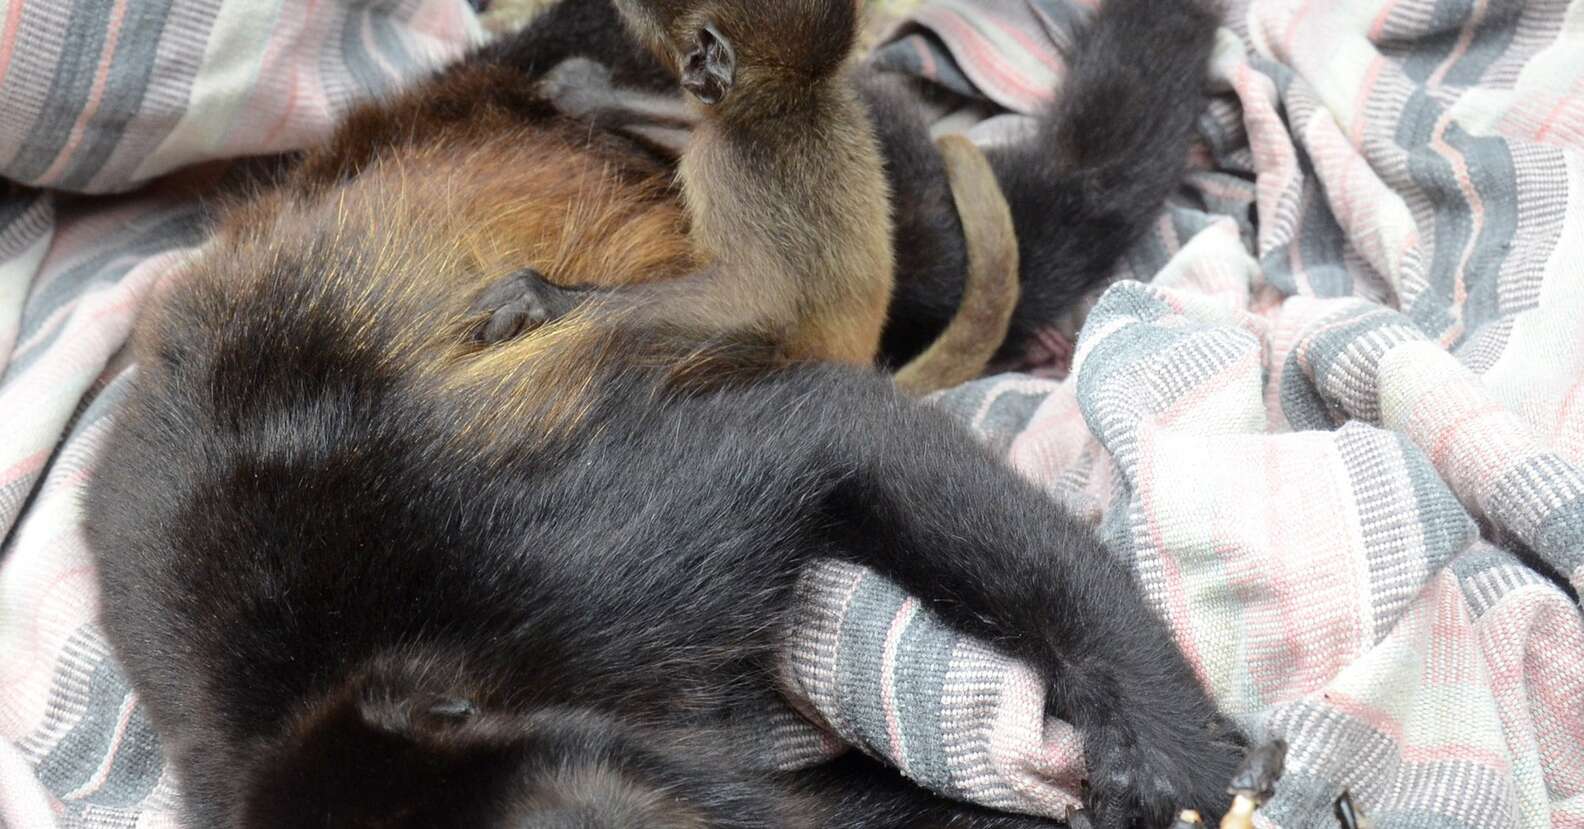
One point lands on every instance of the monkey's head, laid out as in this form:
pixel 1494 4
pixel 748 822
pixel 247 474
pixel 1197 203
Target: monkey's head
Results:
pixel 728 48
pixel 392 755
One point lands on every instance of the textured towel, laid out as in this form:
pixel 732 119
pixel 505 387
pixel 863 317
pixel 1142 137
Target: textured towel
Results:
pixel 1329 433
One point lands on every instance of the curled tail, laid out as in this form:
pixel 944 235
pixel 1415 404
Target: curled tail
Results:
pixel 1108 152
pixel 1083 187
pixel 970 341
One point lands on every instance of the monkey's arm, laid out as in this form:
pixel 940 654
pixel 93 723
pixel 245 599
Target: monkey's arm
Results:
pixel 582 88
pixel 701 306
pixel 928 506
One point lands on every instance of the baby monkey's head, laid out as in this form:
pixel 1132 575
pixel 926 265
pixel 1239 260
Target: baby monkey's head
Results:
pixel 726 49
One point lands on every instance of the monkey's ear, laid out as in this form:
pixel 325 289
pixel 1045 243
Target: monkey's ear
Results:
pixel 709 68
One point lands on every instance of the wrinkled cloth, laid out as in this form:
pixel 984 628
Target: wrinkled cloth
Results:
pixel 1331 410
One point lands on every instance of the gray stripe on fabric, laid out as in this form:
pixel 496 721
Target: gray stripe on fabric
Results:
pixel 1432 175
pixel 26 216
pixel 1337 751
pixel 1492 37
pixel 132 65
pixel 1434 42
pixel 1447 527
pixel 923 656
pixel 1301 402
pixel 1320 248
pixel 360 65
pixel 178 61
pixel 182 230
pixel 391 46
pixel 1560 537
pixel 1487 575
pixel 1396 557
pixel 859 670
pixel 74 758
pixel 69 89
pixel 1494 176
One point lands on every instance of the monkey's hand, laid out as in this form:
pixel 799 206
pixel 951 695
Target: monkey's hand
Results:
pixel 520 302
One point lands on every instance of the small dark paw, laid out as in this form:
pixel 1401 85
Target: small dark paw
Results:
pixel 518 302
pixel 1134 783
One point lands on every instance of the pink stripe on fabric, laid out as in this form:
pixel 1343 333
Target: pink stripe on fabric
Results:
pixel 1188 402
pixel 1361 101
pixel 1453 753
pixel 439 21
pixel 95 94
pixel 1465 39
pixel 293 87
pixel 1532 677
pixel 1449 436
pixel 1563 113
pixel 1564 419
pixel 78 583
pixel 1039 50
pixel 111 753
pixel 926 58
pixel 888 665
pixel 1378 25
pixel 13 22
pixel 1175 599
pixel 1289 38
pixel 985 60
pixel 1381 721
pixel 27 465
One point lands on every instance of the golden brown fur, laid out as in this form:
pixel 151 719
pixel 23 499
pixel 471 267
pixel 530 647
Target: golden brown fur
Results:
pixel 589 208
pixel 991 288
pixel 783 178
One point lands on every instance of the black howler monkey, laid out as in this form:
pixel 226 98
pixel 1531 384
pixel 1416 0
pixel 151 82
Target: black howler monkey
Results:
pixel 370 566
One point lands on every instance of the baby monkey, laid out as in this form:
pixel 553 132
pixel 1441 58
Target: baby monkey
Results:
pixel 783 180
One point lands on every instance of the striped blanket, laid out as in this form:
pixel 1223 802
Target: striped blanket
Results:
pixel 1331 410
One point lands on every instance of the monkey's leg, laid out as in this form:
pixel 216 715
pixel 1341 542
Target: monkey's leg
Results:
pixel 519 302
pixel 929 507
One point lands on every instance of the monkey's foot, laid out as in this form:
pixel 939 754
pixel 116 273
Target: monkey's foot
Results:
pixel 1142 777
pixel 517 303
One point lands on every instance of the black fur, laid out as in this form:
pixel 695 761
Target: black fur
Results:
pixel 343 608
pixel 1106 155
pixel 582 28
pixel 302 559
pixel 1083 188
